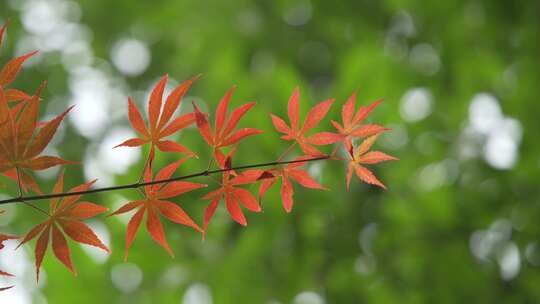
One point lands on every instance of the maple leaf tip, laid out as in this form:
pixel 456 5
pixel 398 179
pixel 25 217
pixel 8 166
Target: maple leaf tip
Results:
pixel 196 77
pixel 31 53
pixel 69 109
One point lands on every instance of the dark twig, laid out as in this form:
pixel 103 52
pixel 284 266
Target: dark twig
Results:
pixel 142 184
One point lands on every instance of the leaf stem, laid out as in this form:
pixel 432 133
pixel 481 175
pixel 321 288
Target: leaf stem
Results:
pixel 289 149
pixel 142 184
pixel 21 194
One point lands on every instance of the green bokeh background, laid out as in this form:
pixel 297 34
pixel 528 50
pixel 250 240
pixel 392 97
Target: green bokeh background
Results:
pixel 451 228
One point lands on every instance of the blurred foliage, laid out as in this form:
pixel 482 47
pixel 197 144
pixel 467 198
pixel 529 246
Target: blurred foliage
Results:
pixel 450 229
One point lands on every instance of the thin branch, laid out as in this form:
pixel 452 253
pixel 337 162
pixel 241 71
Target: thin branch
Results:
pixel 142 184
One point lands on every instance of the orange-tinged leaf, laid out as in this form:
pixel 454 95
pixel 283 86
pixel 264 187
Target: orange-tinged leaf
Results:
pixel 159 126
pixel 221 111
pixel 173 101
pixel 303 178
pixel 287 194
pixel 213 194
pixel 69 220
pixel 240 134
pixel 177 124
pixel 167 172
pixel 363 112
pixel 136 119
pixel 368 130
pixel 176 214
pixel 347 111
pixel 246 199
pixel 209 212
pixel 324 138
pixel 310 150
pixel 132 228
pixel 133 142
pixel 70 200
pixel 224 137
pixel 153 202
pixel 58 188
pixel 293 109
pixel 316 114
pixel 27 122
pixel 3 30
pixel 154 106
pixel 44 162
pixel 247 177
pixel 154 227
pixel 85 210
pixel 80 232
pixel 361 156
pixel 171 146
pixel 236 115
pixel 174 189
pixel 352 127
pixel 61 249
pixel 235 211
pixel 7 130
pixel 280 124
pixel 365 146
pixel 41 247
pixel 11 69
pixel 27 182
pixel 375 157
pixel 127 207
pixel 338 127
pixel 13 95
pixel 367 176
pixel 32 233
pixel 265 185
pixel 203 126
pixel 45 135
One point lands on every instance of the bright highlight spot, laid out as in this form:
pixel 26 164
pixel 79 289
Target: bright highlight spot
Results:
pixel 130 56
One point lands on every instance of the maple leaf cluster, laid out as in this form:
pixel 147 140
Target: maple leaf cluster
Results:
pixel 23 138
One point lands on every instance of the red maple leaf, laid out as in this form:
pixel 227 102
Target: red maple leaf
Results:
pixel 159 118
pixel 65 218
pixel 232 194
pixel 286 174
pixel 3 238
pixel 9 71
pixel 294 132
pixel 223 135
pixel 362 157
pixel 23 139
pixel 352 123
pixel 155 203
